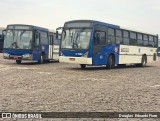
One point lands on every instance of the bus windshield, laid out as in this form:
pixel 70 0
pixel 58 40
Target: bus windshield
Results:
pixel 76 38
pixel 18 39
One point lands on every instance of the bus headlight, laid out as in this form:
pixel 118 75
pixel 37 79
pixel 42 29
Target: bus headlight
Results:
pixel 27 56
pixel 5 55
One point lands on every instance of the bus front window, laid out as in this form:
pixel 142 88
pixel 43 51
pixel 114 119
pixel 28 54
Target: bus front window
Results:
pixel 18 39
pixel 76 38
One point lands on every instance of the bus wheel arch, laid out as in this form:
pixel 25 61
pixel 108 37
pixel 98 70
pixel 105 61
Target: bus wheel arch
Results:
pixel 111 61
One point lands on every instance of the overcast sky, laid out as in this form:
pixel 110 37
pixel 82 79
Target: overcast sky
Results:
pixel 142 15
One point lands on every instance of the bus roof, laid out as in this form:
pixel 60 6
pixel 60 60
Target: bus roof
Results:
pixel 96 22
pixel 110 25
pixel 32 26
pixel 138 31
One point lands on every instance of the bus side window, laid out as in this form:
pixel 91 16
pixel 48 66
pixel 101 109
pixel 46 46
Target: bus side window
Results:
pixel 151 41
pixel 44 38
pixel 118 37
pixel 155 42
pixel 100 38
pixel 140 39
pixel 133 38
pixel 125 37
pixel 145 40
pixel 36 40
pixel 111 36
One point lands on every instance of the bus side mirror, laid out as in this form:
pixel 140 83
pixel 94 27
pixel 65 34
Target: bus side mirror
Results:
pixel 56 34
pixel 4 32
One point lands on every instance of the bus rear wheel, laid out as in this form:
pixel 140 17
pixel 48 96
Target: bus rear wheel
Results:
pixel 18 61
pixel 83 66
pixel 111 62
pixel 144 61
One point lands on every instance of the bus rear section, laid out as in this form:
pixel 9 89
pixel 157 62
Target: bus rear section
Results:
pixel 96 43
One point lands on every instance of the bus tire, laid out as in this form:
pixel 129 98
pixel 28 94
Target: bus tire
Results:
pixel 42 59
pixel 111 62
pixel 144 61
pixel 83 66
pixel 18 61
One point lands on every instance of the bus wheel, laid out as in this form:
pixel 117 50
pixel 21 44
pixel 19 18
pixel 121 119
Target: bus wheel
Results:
pixel 18 61
pixel 83 66
pixel 111 62
pixel 42 58
pixel 144 61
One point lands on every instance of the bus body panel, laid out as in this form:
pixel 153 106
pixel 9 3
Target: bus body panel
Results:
pixel 76 60
pixel 35 54
pixel 39 51
pixel 73 53
pixel 54 52
pixel 16 54
pixel 75 56
pixel 133 54
pixel 101 58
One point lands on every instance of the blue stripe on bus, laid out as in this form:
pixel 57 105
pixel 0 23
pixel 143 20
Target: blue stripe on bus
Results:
pixel 35 53
pixel 17 51
pixel 74 53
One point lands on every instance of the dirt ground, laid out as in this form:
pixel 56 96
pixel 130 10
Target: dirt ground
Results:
pixel 60 87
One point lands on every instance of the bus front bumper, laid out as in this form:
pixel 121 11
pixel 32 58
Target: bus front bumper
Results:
pixel 17 57
pixel 75 60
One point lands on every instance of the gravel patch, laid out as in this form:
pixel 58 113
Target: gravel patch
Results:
pixel 60 87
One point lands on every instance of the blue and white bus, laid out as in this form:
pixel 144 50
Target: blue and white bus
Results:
pixel 27 42
pixel 88 42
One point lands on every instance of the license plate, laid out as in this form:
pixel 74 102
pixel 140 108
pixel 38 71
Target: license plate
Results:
pixel 15 57
pixel 72 59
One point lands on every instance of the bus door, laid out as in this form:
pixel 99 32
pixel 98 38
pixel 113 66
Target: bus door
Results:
pixel 36 45
pixel 56 47
pixel 99 43
pixel 50 46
